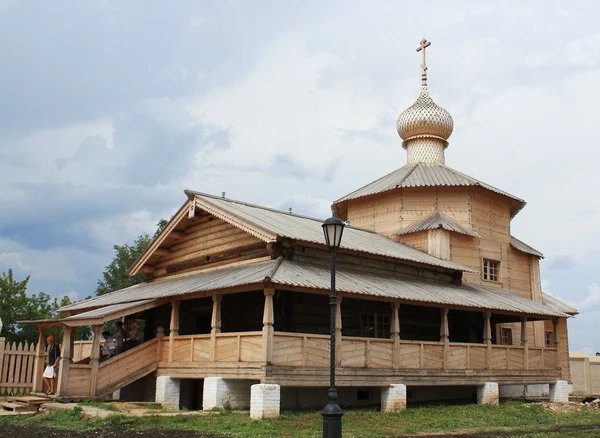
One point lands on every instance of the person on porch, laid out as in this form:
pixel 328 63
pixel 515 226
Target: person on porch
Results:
pixel 135 334
pixel 120 338
pixel 109 347
pixel 51 368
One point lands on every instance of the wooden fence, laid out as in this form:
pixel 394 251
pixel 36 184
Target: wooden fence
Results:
pixel 16 367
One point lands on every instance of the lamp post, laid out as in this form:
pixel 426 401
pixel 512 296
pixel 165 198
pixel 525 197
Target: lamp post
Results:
pixel 333 229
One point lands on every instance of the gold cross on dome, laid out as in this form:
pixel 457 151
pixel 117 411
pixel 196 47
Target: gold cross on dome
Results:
pixel 422 46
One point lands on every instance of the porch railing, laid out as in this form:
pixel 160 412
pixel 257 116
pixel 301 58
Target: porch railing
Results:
pixel 312 350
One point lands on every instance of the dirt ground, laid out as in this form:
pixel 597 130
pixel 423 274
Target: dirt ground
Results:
pixel 7 431
pixel 120 432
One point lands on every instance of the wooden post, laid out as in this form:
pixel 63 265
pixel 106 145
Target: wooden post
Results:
pixel 66 354
pixel 94 359
pixel 395 332
pixel 445 336
pixel 160 334
pixel 557 343
pixel 487 337
pixel 338 331
pixel 215 324
pixel 525 343
pixel 38 368
pixel 2 346
pixel 268 320
pixel 173 328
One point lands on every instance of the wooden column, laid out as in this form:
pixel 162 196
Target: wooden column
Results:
pixel 487 337
pixel 395 333
pixel 160 334
pixel 94 359
pixel 66 355
pixel 215 324
pixel 38 368
pixel 268 320
pixel 445 336
pixel 338 331
pixel 173 328
pixel 557 343
pixel 525 343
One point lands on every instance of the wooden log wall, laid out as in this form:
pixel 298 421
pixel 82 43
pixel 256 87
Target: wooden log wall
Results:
pixel 387 212
pixel 202 241
pixel 418 240
pixel 16 367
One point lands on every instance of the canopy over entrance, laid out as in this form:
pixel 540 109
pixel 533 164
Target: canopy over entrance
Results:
pixel 97 316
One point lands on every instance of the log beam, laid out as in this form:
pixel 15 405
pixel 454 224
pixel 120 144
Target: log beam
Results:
pixel 268 321
pixel 338 330
pixel 525 343
pixel 173 328
pixel 94 360
pixel 215 324
pixel 65 360
pixel 487 337
pixel 395 334
pixel 40 354
pixel 445 336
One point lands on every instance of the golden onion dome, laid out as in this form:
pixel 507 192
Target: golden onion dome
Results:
pixel 424 119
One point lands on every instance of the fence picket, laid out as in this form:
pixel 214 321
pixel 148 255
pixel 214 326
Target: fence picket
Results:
pixel 16 367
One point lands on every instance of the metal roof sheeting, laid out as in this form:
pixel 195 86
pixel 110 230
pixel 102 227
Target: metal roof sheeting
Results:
pixel 521 246
pixel 424 175
pixel 437 220
pixel 202 281
pixel 558 305
pixel 389 286
pixel 107 310
pixel 309 229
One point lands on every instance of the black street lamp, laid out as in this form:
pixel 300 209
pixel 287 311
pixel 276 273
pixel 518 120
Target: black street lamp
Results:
pixel 333 229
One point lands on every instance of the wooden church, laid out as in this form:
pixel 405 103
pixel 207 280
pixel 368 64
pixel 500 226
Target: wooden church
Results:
pixel 436 298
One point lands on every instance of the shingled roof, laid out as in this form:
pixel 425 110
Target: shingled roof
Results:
pixel 427 175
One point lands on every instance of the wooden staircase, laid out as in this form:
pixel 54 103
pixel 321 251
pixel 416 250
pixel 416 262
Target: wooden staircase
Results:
pixel 22 405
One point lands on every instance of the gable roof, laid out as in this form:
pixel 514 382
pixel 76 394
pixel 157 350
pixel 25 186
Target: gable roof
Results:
pixel 267 221
pixel 427 175
pixel 434 221
pixel 522 246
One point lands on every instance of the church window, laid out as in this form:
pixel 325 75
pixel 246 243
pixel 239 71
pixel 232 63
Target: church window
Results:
pixel 506 336
pixel 548 339
pixel 491 270
pixel 375 325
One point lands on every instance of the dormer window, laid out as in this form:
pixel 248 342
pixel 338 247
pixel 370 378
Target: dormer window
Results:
pixel 491 270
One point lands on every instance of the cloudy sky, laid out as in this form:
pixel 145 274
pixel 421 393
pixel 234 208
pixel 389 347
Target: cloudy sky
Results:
pixel 109 109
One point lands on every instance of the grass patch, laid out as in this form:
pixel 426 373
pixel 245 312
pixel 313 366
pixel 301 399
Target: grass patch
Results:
pixel 523 421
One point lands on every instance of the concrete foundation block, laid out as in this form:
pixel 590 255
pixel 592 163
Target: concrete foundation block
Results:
pixel 559 391
pixel 219 392
pixel 265 400
pixel 536 391
pixel 168 392
pixel 393 398
pixel 488 394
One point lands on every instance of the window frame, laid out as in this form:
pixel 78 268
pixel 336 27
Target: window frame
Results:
pixel 509 335
pixel 548 341
pixel 485 270
pixel 381 323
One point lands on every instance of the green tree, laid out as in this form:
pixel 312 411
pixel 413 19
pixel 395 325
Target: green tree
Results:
pixel 115 275
pixel 13 303
pixel 15 306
